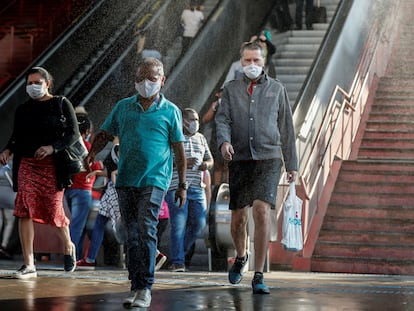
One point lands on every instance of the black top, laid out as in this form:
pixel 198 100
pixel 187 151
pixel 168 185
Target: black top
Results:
pixel 38 123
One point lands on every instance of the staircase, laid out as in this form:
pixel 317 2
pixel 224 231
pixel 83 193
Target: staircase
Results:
pixel 369 224
pixel 296 50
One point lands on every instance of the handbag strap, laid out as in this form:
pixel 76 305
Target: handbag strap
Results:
pixel 62 115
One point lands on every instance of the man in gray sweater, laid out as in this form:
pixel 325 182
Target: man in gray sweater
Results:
pixel 254 132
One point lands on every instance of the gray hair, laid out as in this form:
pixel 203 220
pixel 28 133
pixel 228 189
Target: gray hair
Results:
pixel 251 46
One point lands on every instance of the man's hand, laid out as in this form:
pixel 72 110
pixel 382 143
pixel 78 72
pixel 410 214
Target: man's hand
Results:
pixel 180 197
pixel 100 141
pixel 227 151
pixel 291 176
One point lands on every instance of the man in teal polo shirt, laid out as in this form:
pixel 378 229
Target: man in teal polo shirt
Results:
pixel 149 128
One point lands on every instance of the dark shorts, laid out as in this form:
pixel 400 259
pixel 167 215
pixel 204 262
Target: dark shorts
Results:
pixel 253 180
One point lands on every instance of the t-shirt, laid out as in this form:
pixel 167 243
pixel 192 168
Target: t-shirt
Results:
pixel 195 146
pixel 192 22
pixel 145 148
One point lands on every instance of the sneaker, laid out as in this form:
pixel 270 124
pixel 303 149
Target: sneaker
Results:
pixel 236 271
pixel 142 299
pixel 69 261
pixel 129 300
pixel 258 285
pixel 159 261
pixel 84 265
pixel 175 267
pixel 25 273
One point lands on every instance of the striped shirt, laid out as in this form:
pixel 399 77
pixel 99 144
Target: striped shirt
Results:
pixel 195 147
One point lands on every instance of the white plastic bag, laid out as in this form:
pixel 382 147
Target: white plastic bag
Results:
pixel 292 223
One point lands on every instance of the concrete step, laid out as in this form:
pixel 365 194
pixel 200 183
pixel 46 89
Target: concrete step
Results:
pixel 385 107
pixel 372 199
pixel 385 167
pixel 290 78
pixel 294 70
pixel 305 40
pixel 292 54
pixel 327 249
pixel 367 176
pixel 388 135
pixel 373 224
pixel 362 265
pixel 374 187
pixel 318 33
pixel 385 153
pixel 284 62
pixel 308 48
pixel 294 86
pixel 390 126
pixel 371 237
pixel 392 81
pixel 386 143
pixel 399 95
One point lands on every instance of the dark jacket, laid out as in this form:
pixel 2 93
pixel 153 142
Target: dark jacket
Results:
pixel 259 126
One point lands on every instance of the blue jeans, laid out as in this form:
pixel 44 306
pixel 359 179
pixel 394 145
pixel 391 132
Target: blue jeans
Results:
pixel 79 202
pixel 97 237
pixel 187 223
pixel 139 209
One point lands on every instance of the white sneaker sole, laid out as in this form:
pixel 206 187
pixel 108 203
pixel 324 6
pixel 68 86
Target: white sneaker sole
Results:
pixel 25 276
pixel 160 263
pixel 142 299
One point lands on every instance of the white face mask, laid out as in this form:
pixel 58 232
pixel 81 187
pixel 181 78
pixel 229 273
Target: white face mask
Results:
pixel 36 91
pixel 252 71
pixel 193 127
pixel 147 88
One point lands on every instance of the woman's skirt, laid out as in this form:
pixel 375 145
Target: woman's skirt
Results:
pixel 38 197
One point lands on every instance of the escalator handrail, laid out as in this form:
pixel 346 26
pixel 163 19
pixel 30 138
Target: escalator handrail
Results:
pixel 124 54
pixel 112 45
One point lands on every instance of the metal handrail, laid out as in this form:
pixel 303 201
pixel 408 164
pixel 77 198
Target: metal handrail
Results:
pixel 343 116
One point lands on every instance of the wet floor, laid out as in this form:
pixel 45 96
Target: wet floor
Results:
pixel 104 289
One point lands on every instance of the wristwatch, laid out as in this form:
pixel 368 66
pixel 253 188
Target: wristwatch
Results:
pixel 183 185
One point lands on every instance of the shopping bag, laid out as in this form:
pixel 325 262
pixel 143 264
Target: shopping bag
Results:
pixel 292 223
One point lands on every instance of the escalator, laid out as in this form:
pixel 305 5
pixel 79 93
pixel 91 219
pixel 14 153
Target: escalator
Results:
pixel 93 61
pixel 85 52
